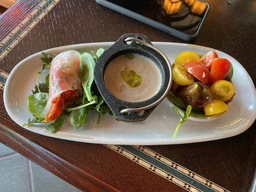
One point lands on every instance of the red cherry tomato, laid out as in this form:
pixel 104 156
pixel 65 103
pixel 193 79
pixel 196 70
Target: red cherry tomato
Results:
pixel 219 70
pixel 198 70
pixel 208 58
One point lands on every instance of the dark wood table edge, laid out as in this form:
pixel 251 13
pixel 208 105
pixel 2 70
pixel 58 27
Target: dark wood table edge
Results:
pixel 61 168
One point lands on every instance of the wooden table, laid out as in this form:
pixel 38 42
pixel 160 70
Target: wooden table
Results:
pixel 222 165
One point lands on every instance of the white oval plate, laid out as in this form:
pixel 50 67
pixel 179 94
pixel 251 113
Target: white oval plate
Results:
pixel 158 129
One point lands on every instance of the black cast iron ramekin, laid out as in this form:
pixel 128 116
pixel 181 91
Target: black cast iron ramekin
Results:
pixel 133 44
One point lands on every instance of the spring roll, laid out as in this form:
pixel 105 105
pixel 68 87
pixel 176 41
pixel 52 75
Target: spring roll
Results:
pixel 64 83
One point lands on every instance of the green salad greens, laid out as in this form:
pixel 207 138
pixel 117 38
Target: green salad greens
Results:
pixel 89 100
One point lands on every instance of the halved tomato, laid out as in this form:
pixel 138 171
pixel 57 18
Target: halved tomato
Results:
pixel 219 70
pixel 198 70
pixel 186 56
pixel 222 90
pixel 208 58
pixel 197 94
pixel 215 107
pixel 181 76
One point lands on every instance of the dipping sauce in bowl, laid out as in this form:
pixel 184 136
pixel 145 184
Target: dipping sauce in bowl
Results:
pixel 132 78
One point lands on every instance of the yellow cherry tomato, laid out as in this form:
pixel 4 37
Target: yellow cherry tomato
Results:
pixel 181 76
pixel 215 107
pixel 186 56
pixel 222 90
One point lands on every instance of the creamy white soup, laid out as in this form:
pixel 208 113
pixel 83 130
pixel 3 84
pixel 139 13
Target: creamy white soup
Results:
pixel 132 78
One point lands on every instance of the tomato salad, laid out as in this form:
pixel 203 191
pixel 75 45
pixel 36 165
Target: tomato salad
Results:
pixel 202 83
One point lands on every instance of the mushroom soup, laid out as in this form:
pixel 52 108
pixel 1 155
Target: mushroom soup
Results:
pixel 132 78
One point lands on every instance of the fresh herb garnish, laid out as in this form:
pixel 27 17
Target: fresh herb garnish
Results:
pixel 182 119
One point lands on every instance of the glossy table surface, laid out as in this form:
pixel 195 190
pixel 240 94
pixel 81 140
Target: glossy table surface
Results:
pixel 229 164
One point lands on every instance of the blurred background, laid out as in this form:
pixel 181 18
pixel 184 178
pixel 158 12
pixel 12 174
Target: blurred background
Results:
pixel 5 4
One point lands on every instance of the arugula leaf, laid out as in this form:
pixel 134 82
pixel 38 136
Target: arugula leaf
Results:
pixel 102 107
pixel 177 100
pixel 41 87
pixel 182 119
pixel 86 73
pixel 200 56
pixel 230 73
pixel 46 61
pixel 55 125
pixel 47 81
pixel 78 116
pixel 197 112
pixel 86 104
pixel 46 64
pixel 100 51
pixel 97 54
pixel 33 121
pixel 37 103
